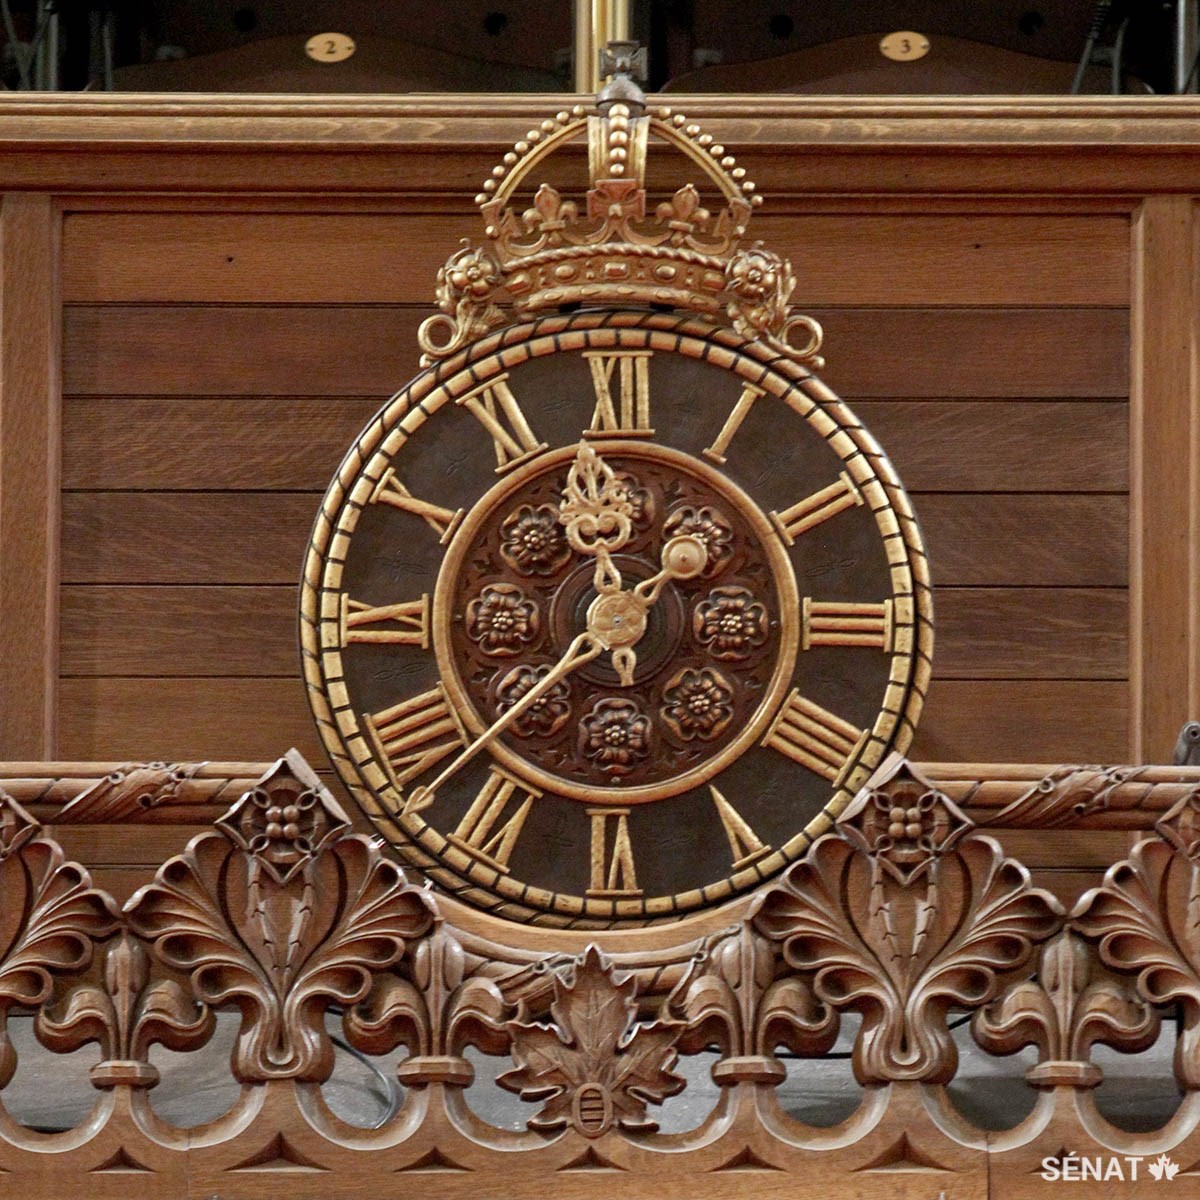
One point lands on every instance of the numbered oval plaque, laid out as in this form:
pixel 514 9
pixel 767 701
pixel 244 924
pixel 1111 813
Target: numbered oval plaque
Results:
pixel 329 47
pixel 904 46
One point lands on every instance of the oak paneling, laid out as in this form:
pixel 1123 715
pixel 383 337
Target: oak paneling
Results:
pixel 1024 721
pixel 847 258
pixel 1038 633
pixel 296 442
pixel 949 353
pixel 257 719
pixel 186 720
pixel 186 537
pixel 353 350
pixel 1067 540
pixel 1003 446
pixel 983 633
pixel 30 422
pixel 260 537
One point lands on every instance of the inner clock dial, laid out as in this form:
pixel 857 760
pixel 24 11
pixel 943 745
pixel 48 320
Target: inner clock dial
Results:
pixel 713 643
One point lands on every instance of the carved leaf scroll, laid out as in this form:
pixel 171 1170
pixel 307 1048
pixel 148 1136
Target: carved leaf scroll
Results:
pixel 595 1067
pixel 50 918
pixel 903 917
pixel 280 914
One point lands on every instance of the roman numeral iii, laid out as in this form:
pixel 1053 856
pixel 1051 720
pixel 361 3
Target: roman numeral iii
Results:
pixel 482 833
pixel 404 624
pixel 413 736
pixel 833 623
pixel 814 510
pixel 622 382
pixel 816 739
pixel 499 413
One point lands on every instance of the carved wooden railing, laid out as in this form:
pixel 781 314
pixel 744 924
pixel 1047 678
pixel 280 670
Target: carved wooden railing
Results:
pixel 904 918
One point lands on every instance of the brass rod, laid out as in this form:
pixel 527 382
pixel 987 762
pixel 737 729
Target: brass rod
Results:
pixel 597 22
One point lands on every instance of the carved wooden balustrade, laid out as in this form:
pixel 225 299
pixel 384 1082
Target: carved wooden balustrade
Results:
pixel 901 922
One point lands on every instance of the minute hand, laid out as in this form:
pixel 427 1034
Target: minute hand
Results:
pixel 583 649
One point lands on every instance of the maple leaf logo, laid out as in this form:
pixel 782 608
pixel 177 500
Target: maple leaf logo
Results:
pixel 595 1067
pixel 1163 1168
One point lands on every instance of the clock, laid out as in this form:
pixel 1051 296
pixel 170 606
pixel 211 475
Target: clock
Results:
pixel 609 612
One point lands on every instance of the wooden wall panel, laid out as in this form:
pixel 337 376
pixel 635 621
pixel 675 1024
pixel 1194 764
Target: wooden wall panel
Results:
pixel 851 258
pixel 29 475
pixel 216 364
pixel 989 633
pixel 347 350
pixel 296 442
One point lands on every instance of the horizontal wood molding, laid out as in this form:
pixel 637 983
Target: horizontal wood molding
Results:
pixel 446 143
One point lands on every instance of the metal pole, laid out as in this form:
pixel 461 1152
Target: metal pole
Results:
pixel 1185 45
pixel 597 22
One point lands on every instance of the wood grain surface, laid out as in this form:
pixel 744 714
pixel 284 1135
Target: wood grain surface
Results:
pixel 988 633
pixel 30 424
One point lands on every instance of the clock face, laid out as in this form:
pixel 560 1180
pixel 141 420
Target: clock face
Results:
pixel 607 617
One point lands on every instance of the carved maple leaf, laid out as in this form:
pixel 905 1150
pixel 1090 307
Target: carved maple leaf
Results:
pixel 595 1067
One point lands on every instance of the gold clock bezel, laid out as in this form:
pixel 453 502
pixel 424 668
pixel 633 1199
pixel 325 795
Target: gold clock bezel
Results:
pixel 752 362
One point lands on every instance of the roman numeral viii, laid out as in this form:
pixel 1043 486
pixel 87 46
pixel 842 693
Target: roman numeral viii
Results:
pixel 623 410
pixel 499 413
pixel 482 833
pixel 816 739
pixel 813 510
pixel 413 736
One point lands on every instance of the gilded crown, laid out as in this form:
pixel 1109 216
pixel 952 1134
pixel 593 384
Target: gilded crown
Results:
pixel 610 250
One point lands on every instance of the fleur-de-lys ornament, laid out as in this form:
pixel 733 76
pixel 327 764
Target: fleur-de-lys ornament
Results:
pixel 902 923
pixel 1146 918
pixel 50 920
pixel 1070 1005
pixel 733 1000
pixel 126 1016
pixel 436 1012
pixel 280 915
pixel 595 1067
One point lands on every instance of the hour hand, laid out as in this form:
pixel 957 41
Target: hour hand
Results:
pixel 595 507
